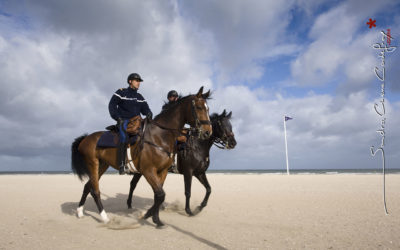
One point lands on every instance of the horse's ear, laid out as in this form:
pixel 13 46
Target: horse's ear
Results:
pixel 223 113
pixel 206 95
pixel 229 115
pixel 199 94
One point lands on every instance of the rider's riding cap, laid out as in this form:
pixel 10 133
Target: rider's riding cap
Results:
pixel 172 93
pixel 134 76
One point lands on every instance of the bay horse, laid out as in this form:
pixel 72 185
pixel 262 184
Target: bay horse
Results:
pixel 154 157
pixel 194 159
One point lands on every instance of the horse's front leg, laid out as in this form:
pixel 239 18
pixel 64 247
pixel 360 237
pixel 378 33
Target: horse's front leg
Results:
pixel 188 190
pixel 203 179
pixel 134 181
pixel 156 181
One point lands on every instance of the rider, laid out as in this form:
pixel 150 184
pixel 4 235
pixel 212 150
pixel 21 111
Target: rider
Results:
pixel 125 104
pixel 172 97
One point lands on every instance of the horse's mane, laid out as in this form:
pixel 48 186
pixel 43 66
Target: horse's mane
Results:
pixel 169 105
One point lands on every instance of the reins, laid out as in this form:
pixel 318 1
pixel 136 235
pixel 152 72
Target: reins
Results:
pixel 166 128
pixel 220 142
pixel 198 124
pixel 142 134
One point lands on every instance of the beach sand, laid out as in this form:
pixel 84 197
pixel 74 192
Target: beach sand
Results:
pixel 245 211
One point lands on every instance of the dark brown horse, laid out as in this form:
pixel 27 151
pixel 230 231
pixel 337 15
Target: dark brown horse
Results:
pixel 153 159
pixel 194 159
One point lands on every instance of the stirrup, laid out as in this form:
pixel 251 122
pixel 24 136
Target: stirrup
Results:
pixel 123 170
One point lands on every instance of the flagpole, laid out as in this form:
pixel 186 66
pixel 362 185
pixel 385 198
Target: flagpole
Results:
pixel 287 158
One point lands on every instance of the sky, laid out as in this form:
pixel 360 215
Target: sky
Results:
pixel 61 61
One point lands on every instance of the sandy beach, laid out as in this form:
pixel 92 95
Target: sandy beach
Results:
pixel 245 211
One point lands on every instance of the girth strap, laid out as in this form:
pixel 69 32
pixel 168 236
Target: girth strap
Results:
pixel 130 163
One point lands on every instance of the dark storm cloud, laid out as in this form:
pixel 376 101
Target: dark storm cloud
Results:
pixel 94 16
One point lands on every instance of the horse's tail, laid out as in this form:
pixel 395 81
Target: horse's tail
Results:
pixel 78 164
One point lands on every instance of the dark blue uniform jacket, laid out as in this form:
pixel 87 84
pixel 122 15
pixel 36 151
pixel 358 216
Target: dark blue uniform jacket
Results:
pixel 127 103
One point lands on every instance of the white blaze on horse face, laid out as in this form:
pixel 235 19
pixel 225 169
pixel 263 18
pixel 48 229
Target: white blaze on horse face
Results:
pixel 205 104
pixel 104 216
pixel 80 211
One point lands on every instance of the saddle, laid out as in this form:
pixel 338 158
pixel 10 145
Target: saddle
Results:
pixel 133 127
pixel 111 137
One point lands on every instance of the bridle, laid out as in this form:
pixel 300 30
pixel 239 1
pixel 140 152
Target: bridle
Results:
pixel 197 121
pixel 221 141
pixel 196 129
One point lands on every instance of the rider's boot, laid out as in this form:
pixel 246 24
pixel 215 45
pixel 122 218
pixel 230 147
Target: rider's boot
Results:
pixel 122 157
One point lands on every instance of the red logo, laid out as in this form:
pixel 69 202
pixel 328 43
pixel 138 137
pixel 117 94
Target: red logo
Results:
pixel 371 23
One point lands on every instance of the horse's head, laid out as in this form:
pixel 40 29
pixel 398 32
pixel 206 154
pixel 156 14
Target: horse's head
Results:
pixel 222 130
pixel 198 116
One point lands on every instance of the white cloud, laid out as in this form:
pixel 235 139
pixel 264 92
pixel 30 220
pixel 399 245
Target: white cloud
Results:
pixel 338 49
pixel 321 135
pixel 61 63
pixel 244 33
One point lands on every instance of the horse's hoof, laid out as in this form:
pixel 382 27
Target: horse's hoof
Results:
pixel 104 217
pixel 79 211
pixel 161 226
pixel 141 216
pixel 149 213
pixel 146 216
pixel 189 212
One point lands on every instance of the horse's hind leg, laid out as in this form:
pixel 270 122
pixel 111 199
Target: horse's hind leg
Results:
pixel 85 193
pixel 95 191
pixel 134 181
pixel 203 179
pixel 88 189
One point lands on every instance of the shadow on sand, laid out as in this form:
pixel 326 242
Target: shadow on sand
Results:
pixel 117 205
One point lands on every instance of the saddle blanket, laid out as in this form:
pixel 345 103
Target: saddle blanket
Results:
pixel 110 139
